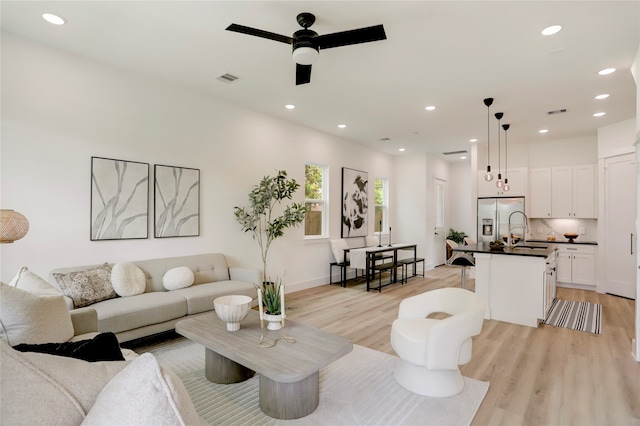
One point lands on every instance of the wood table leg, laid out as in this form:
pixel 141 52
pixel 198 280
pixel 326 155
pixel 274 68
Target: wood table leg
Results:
pixel 289 400
pixel 220 369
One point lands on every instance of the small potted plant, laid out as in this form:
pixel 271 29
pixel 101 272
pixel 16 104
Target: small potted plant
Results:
pixel 272 305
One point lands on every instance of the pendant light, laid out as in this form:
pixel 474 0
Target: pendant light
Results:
pixel 506 186
pixel 488 177
pixel 499 181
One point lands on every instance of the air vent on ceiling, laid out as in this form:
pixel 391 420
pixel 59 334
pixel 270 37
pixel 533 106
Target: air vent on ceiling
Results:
pixel 227 78
pixel 384 139
pixel 454 152
pixel 558 111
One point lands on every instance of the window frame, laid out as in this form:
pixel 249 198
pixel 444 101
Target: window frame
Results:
pixel 384 205
pixel 324 201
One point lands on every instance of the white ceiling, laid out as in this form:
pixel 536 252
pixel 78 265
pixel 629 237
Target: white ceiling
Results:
pixel 450 54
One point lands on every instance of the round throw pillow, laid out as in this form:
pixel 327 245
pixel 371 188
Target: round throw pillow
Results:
pixel 176 278
pixel 128 279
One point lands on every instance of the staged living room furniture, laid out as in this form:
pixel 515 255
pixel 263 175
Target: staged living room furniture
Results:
pixel 57 369
pixel 155 309
pixel 431 349
pixel 289 372
pixel 365 258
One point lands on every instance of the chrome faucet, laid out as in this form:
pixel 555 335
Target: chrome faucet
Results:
pixel 525 227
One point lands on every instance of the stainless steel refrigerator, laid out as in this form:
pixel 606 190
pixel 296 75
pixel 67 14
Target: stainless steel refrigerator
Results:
pixel 493 218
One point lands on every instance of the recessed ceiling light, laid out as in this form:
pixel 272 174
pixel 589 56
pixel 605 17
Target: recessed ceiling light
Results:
pixel 342 126
pixel 551 30
pixel 474 140
pixel 430 108
pixel 463 157
pixel 54 19
pixel 289 106
pixel 603 96
pixel 401 149
pixel 607 71
pixel 543 130
pixel 599 114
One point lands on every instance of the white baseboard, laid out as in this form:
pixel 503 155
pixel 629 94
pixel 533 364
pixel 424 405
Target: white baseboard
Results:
pixel 577 286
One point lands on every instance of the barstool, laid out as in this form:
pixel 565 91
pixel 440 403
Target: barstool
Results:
pixel 461 259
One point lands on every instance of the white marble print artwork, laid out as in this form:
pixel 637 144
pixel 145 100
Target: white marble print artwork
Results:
pixel 177 201
pixel 119 199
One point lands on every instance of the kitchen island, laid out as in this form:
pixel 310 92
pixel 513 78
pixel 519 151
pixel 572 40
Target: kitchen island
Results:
pixel 517 283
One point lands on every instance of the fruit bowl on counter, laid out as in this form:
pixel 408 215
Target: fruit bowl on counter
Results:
pixel 570 236
pixel 496 245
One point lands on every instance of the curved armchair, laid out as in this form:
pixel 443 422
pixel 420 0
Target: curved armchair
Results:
pixel 431 350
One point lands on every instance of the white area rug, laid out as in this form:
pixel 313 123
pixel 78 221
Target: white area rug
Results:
pixel 358 389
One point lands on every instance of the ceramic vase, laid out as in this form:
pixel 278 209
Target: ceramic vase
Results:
pixel 274 322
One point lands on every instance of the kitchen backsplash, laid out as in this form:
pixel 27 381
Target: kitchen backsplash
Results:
pixel 586 228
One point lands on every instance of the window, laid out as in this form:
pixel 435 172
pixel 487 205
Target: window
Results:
pixel 381 204
pixel 315 200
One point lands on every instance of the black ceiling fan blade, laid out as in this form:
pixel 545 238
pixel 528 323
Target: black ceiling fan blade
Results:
pixel 303 74
pixel 259 33
pixel 345 38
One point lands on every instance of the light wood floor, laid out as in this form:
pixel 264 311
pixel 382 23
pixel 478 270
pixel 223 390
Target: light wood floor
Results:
pixel 543 376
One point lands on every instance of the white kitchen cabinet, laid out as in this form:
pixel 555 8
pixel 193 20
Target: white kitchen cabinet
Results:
pixel 517 183
pixel 573 191
pixel 584 191
pixel 563 192
pixel 576 264
pixel 540 193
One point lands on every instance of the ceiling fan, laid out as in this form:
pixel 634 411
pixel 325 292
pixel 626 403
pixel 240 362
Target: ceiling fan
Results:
pixel 307 43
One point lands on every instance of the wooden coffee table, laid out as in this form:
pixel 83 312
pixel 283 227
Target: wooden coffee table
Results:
pixel 289 384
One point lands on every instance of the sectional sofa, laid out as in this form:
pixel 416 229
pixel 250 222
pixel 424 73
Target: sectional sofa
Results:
pixel 169 290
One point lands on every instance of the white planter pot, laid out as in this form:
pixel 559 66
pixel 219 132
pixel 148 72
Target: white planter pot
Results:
pixel 274 322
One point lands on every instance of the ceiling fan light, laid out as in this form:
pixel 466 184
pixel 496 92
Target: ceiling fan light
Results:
pixel 305 55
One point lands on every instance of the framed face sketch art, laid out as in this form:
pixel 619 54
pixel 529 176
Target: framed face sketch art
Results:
pixel 119 199
pixel 355 203
pixel 177 201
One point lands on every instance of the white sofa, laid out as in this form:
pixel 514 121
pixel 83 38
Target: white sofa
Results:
pixel 41 387
pixel 157 310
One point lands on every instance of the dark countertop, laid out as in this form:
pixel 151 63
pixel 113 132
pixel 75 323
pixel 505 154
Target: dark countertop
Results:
pixel 592 243
pixel 527 249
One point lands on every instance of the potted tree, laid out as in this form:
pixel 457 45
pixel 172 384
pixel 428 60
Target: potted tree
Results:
pixel 262 220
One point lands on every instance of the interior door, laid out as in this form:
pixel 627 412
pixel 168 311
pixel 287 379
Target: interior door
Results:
pixel 620 231
pixel 440 233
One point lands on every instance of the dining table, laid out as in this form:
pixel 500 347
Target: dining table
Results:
pixel 365 258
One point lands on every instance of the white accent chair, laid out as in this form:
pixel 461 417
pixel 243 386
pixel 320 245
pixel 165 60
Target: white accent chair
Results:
pixel 430 350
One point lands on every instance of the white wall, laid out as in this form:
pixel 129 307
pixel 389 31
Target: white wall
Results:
pixel 461 199
pixel 59 110
pixel 617 138
pixel 410 191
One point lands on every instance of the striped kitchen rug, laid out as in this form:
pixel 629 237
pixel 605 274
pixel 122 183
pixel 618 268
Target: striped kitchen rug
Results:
pixel 581 316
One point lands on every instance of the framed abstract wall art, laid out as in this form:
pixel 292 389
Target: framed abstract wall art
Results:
pixel 355 203
pixel 177 201
pixel 119 199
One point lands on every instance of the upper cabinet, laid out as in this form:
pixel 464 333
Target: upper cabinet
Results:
pixel 517 182
pixel 540 193
pixel 563 192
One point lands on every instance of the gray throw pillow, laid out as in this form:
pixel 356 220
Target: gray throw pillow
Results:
pixel 87 287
